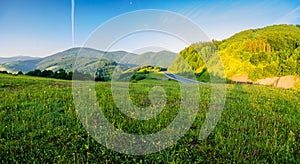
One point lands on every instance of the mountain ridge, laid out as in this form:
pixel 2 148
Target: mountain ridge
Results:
pixel 16 58
pixel 87 59
pixel 258 53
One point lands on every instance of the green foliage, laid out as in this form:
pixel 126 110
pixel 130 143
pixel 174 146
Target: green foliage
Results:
pixel 267 52
pixel 139 76
pixel 200 58
pixel 138 73
pixel 47 73
pixel 259 53
pixel 297 86
pixel 3 72
pixel 60 74
pixel 39 124
pixel 204 76
pixel 105 70
pixel 36 72
pixel 161 59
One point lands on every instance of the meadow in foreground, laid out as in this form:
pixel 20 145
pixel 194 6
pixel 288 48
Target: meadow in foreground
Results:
pixel 38 122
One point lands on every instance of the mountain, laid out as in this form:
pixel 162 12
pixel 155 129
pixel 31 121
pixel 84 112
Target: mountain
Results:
pixel 23 66
pixel 16 58
pixel 161 58
pixel 272 51
pixel 256 54
pixel 88 59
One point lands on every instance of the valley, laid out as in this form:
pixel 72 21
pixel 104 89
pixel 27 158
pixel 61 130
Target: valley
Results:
pixel 259 122
pixel 251 56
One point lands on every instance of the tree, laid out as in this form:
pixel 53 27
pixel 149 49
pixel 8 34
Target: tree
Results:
pixel 69 76
pixel 36 72
pixel 60 74
pixel 47 73
pixel 4 72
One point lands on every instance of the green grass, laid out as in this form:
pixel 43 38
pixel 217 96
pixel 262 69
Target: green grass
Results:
pixel 39 124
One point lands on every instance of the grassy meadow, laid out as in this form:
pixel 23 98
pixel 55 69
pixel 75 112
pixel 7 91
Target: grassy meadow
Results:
pixel 39 123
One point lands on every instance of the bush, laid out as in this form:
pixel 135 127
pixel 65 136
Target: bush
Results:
pixel 4 72
pixel 140 75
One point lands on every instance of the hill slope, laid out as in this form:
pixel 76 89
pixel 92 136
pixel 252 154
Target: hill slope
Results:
pixel 39 122
pixel 16 58
pixel 23 66
pixel 256 53
pixel 88 59
pixel 161 58
pixel 85 59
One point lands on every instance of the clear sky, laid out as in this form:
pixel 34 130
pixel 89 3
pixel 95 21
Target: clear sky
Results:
pixel 43 27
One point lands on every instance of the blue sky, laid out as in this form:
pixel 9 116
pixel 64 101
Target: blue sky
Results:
pixel 43 27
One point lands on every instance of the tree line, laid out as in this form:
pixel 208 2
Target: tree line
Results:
pixel 60 74
pixel 259 53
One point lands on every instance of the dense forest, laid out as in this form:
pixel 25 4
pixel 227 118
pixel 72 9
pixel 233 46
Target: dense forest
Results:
pixel 258 53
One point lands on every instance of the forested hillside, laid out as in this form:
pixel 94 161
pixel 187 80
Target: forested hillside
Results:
pixel 257 53
pixel 88 59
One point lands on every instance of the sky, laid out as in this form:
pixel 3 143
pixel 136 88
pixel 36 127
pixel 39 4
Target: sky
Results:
pixel 43 27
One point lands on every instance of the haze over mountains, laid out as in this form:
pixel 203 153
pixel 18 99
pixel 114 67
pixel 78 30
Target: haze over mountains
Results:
pixel 87 59
pixel 16 58
pixel 253 54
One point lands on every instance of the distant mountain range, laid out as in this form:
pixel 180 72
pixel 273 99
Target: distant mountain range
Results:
pixel 254 54
pixel 16 58
pixel 86 59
